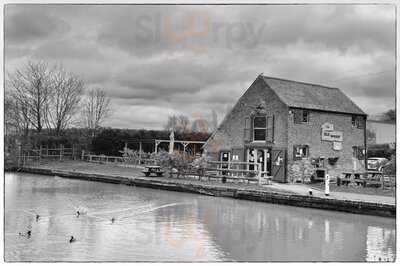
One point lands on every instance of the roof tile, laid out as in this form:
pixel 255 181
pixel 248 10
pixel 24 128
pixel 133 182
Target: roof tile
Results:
pixel 312 96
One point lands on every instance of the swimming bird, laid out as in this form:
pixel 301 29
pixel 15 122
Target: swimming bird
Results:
pixel 72 239
pixel 112 220
pixel 28 234
pixel 37 217
pixel 78 213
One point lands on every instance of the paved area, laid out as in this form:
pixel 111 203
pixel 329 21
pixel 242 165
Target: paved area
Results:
pixel 303 190
pixel 133 172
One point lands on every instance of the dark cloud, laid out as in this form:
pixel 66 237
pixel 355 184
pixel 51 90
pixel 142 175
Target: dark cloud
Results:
pixel 66 49
pixel 158 60
pixel 166 78
pixel 31 24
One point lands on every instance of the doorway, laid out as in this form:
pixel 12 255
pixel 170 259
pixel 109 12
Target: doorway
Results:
pixel 261 156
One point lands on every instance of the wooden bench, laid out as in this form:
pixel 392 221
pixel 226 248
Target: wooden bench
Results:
pixel 153 169
pixel 351 177
pixel 370 178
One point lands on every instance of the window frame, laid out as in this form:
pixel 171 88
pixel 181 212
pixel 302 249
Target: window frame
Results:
pixel 259 128
pixel 307 155
pixel 354 121
pixel 357 121
pixel 301 112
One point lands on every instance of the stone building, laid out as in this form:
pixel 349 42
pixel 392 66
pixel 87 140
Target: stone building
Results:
pixel 293 129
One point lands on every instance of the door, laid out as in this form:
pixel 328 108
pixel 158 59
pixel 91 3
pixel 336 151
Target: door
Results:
pixel 261 159
pixel 268 161
pixel 278 165
pixel 251 158
pixel 225 157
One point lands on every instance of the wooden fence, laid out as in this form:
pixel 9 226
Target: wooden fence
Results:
pixel 234 171
pixel 36 156
pixel 125 161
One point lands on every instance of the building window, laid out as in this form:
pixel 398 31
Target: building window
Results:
pixel 301 116
pixel 354 120
pixel 300 151
pixel 358 152
pixel 357 121
pixel 259 128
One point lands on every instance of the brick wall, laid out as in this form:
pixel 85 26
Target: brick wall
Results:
pixel 230 135
pixel 310 134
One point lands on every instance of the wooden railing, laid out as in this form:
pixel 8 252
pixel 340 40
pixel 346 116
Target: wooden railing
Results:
pixel 224 171
pixel 238 170
pixel 126 161
pixel 36 156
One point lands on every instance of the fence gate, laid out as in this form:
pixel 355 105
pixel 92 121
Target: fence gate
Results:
pixel 278 169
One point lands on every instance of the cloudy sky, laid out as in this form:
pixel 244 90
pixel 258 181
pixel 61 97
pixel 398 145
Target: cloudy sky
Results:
pixel 155 61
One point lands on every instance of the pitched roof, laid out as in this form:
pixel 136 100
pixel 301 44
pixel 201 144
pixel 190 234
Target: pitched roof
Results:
pixel 312 96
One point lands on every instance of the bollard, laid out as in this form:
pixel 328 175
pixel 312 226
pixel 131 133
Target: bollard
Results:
pixel 326 185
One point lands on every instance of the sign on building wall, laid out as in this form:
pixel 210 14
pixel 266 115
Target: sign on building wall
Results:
pixel 337 146
pixel 336 137
pixel 332 135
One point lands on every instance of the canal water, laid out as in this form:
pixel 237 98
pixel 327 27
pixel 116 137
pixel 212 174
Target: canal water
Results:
pixel 157 225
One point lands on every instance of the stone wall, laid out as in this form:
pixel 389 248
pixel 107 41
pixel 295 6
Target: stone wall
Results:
pixel 310 134
pixel 230 134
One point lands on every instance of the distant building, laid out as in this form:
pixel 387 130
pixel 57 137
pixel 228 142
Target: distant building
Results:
pixel 284 124
pixel 385 132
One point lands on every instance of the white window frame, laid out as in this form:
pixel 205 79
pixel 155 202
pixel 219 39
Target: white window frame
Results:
pixel 258 128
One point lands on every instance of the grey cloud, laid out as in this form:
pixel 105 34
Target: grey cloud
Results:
pixel 165 78
pixel 23 25
pixel 66 49
pixel 198 72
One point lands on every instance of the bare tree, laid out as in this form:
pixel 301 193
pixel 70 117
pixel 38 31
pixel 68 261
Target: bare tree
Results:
pixel 171 123
pixel 96 108
pixel 200 125
pixel 30 88
pixel 183 124
pixel 43 97
pixel 15 116
pixel 65 95
pixel 178 123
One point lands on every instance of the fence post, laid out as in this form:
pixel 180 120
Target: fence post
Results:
pixel 83 155
pixel 259 173
pixel 60 151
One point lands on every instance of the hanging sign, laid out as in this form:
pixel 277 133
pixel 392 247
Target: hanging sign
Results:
pixel 337 146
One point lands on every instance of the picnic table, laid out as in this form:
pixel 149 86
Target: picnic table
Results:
pixel 153 169
pixel 371 177
pixel 349 177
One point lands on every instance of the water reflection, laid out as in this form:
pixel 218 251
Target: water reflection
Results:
pixel 156 225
